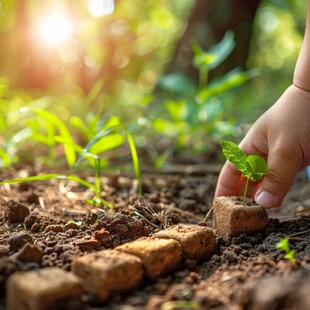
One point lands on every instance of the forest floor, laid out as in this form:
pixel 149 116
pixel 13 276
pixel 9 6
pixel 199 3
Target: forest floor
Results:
pixel 247 273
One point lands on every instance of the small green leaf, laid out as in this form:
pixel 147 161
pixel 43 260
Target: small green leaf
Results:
pixel 178 83
pixel 253 167
pixel 283 245
pixel 216 54
pixel 291 256
pixel 79 223
pixel 235 155
pixel 257 167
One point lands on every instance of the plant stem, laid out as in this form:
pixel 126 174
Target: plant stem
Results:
pixel 203 77
pixel 245 190
pixel 98 181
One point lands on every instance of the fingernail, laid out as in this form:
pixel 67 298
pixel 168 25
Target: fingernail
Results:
pixel 264 199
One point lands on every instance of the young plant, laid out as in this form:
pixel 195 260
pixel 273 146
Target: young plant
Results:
pixel 110 136
pixel 252 167
pixel 193 116
pixel 284 246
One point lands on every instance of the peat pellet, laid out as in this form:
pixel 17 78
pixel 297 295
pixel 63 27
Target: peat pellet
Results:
pixel 49 288
pixel 159 256
pixel 233 218
pixel 108 271
pixel 197 242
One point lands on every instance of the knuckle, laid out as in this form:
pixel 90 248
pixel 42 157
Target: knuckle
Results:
pixel 274 178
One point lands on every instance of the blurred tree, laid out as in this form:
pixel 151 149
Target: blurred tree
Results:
pixel 51 44
pixel 208 22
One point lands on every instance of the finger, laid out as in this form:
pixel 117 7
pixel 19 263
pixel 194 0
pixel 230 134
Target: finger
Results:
pixel 283 165
pixel 228 178
pixel 232 183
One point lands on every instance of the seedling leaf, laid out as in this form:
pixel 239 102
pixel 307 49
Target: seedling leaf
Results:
pixel 235 155
pixel 284 246
pixel 253 167
pixel 257 167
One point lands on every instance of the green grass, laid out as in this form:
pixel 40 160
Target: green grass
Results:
pixel 48 129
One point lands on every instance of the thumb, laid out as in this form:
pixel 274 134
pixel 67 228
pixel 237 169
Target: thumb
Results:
pixel 283 166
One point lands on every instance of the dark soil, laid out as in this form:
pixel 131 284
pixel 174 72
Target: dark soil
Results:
pixel 49 223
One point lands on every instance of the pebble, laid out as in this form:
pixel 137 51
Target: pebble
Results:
pixel 16 212
pixel 18 240
pixel 88 245
pixel 230 256
pixel 29 253
pixel 55 228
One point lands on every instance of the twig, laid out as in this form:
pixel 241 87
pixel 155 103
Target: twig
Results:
pixel 208 214
pixel 299 239
pixel 152 224
pixel 300 233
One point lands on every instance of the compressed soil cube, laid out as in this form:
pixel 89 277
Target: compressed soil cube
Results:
pixel 197 242
pixel 159 256
pixel 232 218
pixel 106 272
pixel 49 288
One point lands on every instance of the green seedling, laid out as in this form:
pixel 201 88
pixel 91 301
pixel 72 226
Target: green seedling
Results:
pixel 108 137
pixel 194 111
pixel 78 223
pixel 284 246
pixel 252 167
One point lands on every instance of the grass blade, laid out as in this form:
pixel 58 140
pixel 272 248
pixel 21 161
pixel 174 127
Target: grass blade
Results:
pixel 135 160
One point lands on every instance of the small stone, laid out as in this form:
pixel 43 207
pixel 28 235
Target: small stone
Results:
pixel 88 245
pixel 18 240
pixel 158 256
pixel 232 218
pixel 231 256
pixel 16 212
pixel 55 228
pixel 48 288
pixel 29 253
pixel 100 233
pixel 106 272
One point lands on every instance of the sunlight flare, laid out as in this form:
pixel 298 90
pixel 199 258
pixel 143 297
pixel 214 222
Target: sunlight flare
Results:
pixel 99 8
pixel 55 29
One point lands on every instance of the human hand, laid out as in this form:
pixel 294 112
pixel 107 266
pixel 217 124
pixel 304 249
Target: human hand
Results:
pixel 282 136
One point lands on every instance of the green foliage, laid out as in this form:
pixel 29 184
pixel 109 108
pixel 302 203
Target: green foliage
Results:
pixel 284 246
pixel 54 132
pixel 134 154
pixel 195 112
pixel 253 167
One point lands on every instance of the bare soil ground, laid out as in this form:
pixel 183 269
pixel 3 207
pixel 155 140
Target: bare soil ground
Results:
pixel 247 273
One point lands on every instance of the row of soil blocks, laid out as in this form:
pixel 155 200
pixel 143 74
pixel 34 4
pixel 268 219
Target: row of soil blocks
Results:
pixel 106 272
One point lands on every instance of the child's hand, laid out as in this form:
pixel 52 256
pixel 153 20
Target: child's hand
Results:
pixel 282 136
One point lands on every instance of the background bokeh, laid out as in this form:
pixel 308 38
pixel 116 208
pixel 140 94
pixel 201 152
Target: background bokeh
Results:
pixel 135 61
